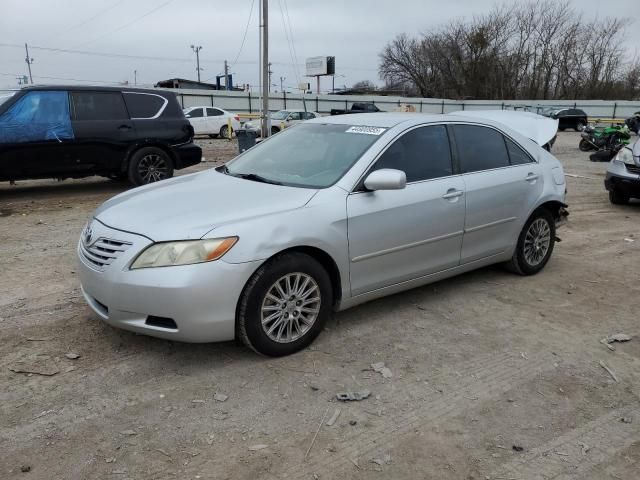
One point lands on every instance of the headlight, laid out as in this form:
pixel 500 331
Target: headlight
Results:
pixel 625 155
pixel 183 253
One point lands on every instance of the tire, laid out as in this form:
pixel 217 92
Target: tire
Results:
pixel 224 131
pixel 274 130
pixel 585 146
pixel 522 262
pixel 148 165
pixel 261 292
pixel 580 125
pixel 562 129
pixel 618 198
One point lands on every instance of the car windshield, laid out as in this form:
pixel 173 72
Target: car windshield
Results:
pixel 5 97
pixel 308 155
pixel 281 115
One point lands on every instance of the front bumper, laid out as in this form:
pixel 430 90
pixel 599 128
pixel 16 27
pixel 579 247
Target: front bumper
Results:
pixel 201 299
pixel 620 179
pixel 187 155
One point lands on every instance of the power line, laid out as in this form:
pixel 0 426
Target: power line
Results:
pixel 286 35
pixel 244 37
pixel 293 43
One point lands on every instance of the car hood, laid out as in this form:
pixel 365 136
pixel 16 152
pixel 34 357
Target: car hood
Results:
pixel 536 127
pixel 188 207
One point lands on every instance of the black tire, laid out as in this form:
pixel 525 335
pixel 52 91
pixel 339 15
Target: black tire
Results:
pixel 249 322
pixel 224 131
pixel 148 165
pixel 585 146
pixel 580 125
pixel 274 130
pixel 561 129
pixel 618 198
pixel 520 262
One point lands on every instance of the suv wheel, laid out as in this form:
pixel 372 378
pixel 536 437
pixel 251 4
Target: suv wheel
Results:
pixel 284 305
pixel 580 125
pixel 149 165
pixel 535 244
pixel 618 198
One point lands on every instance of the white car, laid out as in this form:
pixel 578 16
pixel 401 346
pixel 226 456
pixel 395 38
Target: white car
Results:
pixel 283 119
pixel 211 121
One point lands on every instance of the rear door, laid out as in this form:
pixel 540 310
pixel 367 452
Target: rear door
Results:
pixel 501 181
pixel 198 120
pixel 399 235
pixel 215 120
pixel 103 130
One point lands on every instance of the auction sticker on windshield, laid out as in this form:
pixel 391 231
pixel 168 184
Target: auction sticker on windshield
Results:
pixel 366 130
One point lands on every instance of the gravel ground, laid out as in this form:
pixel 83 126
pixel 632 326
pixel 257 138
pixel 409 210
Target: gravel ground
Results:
pixel 494 376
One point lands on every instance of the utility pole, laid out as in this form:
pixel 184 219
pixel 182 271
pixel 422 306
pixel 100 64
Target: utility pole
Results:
pixel 29 61
pixel 135 77
pixel 226 75
pixel 266 131
pixel 270 72
pixel 197 49
pixel 282 79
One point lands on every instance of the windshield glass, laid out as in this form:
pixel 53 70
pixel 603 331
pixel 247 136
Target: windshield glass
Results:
pixel 281 115
pixel 308 155
pixel 4 97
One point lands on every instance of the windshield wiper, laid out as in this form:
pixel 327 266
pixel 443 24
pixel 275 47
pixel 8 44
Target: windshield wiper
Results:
pixel 254 177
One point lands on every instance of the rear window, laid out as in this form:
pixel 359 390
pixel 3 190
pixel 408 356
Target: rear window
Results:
pixel 144 105
pixel 480 148
pixel 98 106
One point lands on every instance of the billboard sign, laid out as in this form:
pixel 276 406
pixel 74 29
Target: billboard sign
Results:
pixel 317 66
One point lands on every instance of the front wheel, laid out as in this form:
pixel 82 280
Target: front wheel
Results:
pixel 535 244
pixel 580 125
pixel 618 198
pixel 224 131
pixel 585 146
pixel 285 305
pixel 149 165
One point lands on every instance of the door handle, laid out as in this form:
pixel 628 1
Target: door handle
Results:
pixel 452 193
pixel 125 127
pixel 531 177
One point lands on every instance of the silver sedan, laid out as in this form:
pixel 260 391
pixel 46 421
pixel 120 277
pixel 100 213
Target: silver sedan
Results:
pixel 321 217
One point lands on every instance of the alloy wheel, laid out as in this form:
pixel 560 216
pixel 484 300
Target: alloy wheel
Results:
pixel 537 241
pixel 153 168
pixel 290 307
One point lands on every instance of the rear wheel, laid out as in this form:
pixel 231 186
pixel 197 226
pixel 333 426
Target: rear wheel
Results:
pixel 618 198
pixel 149 165
pixel 224 131
pixel 285 305
pixel 585 146
pixel 580 125
pixel 274 130
pixel 535 244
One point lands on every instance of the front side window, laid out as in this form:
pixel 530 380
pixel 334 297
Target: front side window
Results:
pixel 308 155
pixel 480 148
pixel 195 113
pixel 295 116
pixel 422 154
pixel 281 115
pixel 144 105
pixel 213 112
pixel 37 116
pixel 308 115
pixel 98 106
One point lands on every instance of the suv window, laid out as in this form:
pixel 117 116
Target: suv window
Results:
pixel 480 148
pixel 98 106
pixel 144 105
pixel 37 116
pixel 516 154
pixel 195 113
pixel 422 154
pixel 213 112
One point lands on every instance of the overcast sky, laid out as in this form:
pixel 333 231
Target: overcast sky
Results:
pixel 354 31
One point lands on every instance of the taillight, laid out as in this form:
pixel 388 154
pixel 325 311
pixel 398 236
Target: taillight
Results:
pixel 237 118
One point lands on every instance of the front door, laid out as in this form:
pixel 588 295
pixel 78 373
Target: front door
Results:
pixel 215 120
pixel 103 130
pixel 198 120
pixel 399 235
pixel 501 181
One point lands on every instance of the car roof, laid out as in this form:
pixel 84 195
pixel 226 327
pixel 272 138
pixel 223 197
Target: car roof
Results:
pixel 93 88
pixel 391 119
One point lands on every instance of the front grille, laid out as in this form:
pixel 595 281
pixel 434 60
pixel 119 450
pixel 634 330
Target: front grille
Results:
pixel 633 168
pixel 103 251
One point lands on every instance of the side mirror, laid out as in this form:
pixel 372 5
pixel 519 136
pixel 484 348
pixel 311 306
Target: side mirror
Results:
pixel 386 179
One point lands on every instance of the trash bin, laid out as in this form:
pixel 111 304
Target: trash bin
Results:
pixel 246 139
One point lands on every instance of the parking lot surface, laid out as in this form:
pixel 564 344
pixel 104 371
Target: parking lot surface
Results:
pixel 493 376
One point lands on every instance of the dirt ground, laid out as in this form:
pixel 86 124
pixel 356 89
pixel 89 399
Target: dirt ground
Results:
pixel 495 376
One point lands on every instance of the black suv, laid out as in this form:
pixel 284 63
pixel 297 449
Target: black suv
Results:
pixel 74 132
pixel 568 118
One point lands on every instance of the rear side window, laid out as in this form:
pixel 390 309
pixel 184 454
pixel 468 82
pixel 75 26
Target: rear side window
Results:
pixel 480 148
pixel 213 112
pixel 144 105
pixel 517 155
pixel 422 154
pixel 98 106
pixel 195 113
